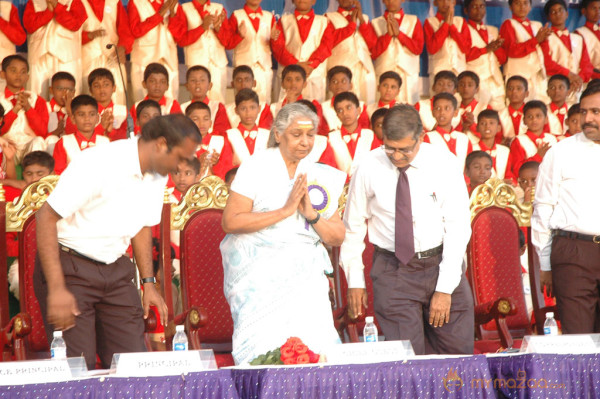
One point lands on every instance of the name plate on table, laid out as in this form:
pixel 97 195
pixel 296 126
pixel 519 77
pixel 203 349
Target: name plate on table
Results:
pixel 369 352
pixel 561 344
pixel 41 371
pixel 141 364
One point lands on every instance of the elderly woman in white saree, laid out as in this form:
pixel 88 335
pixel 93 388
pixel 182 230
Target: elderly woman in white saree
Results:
pixel 281 209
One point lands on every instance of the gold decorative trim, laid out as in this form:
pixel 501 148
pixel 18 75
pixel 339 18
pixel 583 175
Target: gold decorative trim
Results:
pixel 495 192
pixel 342 201
pixel 210 193
pixel 32 199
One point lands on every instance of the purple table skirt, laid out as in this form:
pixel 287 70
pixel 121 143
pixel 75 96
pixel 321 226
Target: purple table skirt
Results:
pixel 207 385
pixel 546 376
pixel 427 378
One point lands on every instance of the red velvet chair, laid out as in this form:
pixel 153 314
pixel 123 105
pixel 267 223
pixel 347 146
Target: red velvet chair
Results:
pixel 206 312
pixel 494 268
pixel 20 218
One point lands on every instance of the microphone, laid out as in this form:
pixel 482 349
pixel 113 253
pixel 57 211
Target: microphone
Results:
pixel 127 99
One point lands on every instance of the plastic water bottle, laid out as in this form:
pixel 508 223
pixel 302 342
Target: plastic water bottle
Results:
pixel 58 348
pixel 370 330
pixel 180 341
pixel 550 326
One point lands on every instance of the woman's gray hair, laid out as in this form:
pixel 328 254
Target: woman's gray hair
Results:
pixel 286 116
pixel 402 121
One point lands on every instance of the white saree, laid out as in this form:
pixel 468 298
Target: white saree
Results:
pixel 274 278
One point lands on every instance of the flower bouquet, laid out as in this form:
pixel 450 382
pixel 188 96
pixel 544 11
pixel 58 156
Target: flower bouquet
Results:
pixel 292 352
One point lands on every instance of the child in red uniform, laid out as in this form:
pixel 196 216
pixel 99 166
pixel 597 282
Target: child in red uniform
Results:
pixel 305 39
pixel 377 125
pixel 113 117
pixel 443 82
pixel 12 33
pixel 293 81
pixel 26 115
pixel 243 78
pixel 247 138
pixel 511 116
pixel 62 90
pixel 396 43
pixel 186 175
pixel 488 127
pixel 486 54
pixel 54 43
pixel 444 109
pixel 198 85
pixel 447 38
pixel 209 152
pixel 534 143
pixel 558 90
pixel 389 88
pixel 522 43
pixel 590 32
pixel 565 53
pixel 85 117
pixel 573 121
pixel 470 107
pixel 156 84
pixel 351 142
pixel 478 169
pixel 339 80
pixel 249 35
pixel 146 110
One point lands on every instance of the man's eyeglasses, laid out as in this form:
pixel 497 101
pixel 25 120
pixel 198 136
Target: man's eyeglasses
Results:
pixel 404 151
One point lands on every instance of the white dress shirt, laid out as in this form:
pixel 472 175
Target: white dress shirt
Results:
pixel 105 200
pixel 440 208
pixel 566 193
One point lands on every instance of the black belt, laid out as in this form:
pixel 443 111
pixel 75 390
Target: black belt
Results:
pixel 578 236
pixel 420 255
pixel 78 254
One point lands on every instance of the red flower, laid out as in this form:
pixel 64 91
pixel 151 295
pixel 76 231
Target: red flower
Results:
pixel 290 360
pixel 313 357
pixel 303 359
pixel 287 352
pixel 300 348
pixel 292 341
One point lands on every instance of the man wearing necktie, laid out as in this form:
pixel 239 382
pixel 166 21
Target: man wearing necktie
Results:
pixel 412 198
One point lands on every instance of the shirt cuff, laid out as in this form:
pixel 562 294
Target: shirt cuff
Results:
pixel 448 281
pixel 545 263
pixel 356 277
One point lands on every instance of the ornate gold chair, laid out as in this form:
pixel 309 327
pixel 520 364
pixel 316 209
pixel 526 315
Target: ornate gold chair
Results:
pixel 206 312
pixel 20 218
pixel 494 267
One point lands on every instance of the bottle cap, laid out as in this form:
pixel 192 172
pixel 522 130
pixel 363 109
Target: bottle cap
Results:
pixel 549 314
pixel 369 319
pixel 180 328
pixel 57 333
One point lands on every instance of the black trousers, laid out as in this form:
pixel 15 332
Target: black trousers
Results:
pixel 575 279
pixel 401 300
pixel 111 319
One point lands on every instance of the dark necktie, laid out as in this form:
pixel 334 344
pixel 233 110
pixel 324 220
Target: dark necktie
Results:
pixel 405 242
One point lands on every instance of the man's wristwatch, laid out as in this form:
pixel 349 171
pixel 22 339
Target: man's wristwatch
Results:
pixel 148 280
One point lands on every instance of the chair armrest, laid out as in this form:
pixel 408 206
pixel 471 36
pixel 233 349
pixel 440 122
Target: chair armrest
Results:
pixel 497 310
pixel 194 318
pixel 12 337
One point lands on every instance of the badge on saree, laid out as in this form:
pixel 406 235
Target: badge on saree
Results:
pixel 319 198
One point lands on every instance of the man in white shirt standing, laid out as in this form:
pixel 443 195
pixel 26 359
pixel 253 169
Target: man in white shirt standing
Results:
pixel 107 198
pixel 566 221
pixel 413 200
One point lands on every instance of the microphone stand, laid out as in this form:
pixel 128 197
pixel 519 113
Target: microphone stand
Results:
pixel 127 99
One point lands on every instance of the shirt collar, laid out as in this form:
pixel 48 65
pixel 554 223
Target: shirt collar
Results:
pixel 344 13
pixel 55 107
pixel 593 27
pixel 440 17
pixel 101 108
pixel 471 106
pixel 135 168
pixel 560 32
pixel 309 15
pixel 242 129
pixel 476 25
pixel 9 95
pixel 398 14
pixel 251 11
pixel 82 139
pixel 534 136
pixel 201 7
pixel 524 21
pixel 162 102
pixel 511 110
